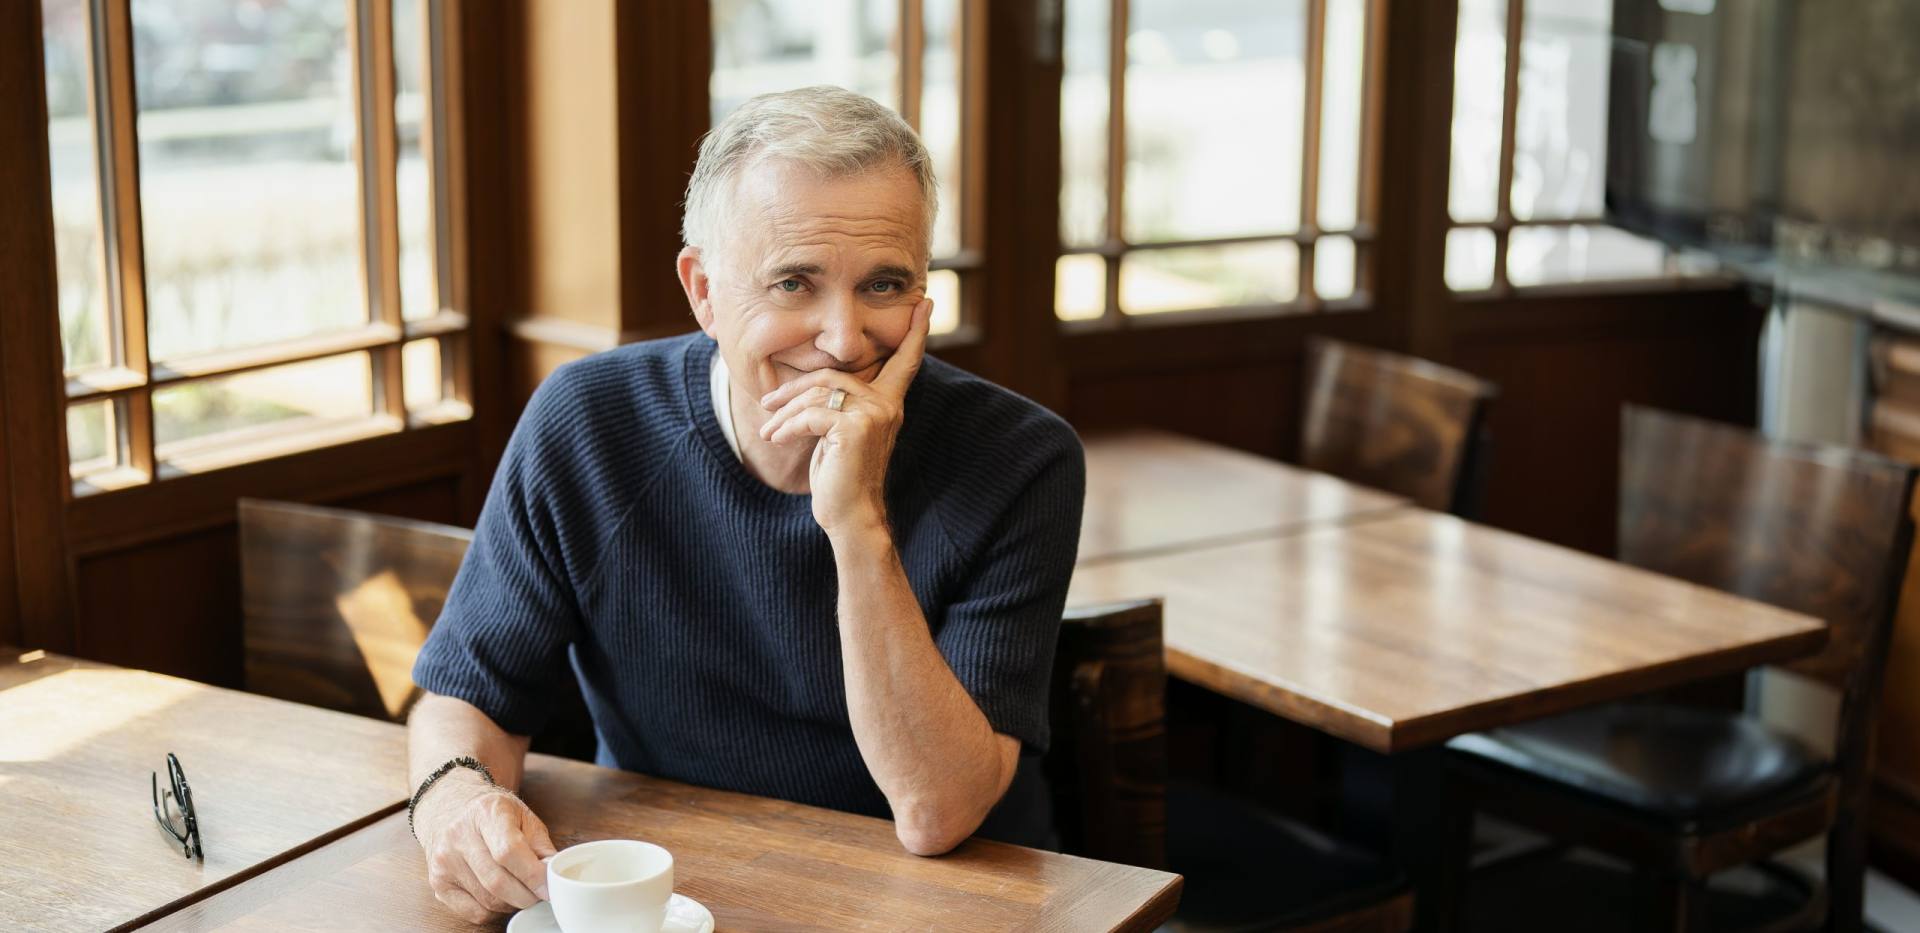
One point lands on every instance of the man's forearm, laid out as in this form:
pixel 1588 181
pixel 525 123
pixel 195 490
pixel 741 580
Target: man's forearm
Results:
pixel 443 728
pixel 927 744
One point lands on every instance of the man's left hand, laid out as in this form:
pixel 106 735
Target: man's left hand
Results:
pixel 848 473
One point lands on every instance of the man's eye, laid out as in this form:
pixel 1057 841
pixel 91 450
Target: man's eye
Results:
pixel 886 285
pixel 789 285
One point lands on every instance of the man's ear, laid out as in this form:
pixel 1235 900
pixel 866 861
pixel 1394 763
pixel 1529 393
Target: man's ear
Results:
pixel 694 281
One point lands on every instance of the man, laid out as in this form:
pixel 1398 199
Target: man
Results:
pixel 785 555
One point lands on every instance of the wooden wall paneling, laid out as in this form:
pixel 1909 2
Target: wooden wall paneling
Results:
pixel 1415 141
pixel 1020 338
pixel 1565 366
pixel 482 163
pixel 172 603
pixel 30 360
pixel 663 66
pixel 610 98
pixel 1253 408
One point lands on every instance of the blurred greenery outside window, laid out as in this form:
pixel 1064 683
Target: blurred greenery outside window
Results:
pixel 229 299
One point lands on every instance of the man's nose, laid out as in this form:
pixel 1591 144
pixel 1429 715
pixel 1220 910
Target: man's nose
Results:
pixel 843 331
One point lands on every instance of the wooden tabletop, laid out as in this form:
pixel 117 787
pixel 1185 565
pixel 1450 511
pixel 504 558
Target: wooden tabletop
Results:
pixel 79 846
pixel 1409 629
pixel 758 864
pixel 1151 491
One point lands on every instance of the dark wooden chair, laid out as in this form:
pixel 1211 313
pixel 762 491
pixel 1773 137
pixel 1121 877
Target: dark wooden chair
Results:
pixel 1245 868
pixel 1682 792
pixel 337 604
pixel 1396 423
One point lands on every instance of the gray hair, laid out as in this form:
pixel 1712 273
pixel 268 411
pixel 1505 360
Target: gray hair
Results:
pixel 831 130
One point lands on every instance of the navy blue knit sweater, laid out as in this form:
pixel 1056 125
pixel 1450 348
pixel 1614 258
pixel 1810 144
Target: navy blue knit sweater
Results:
pixel 696 604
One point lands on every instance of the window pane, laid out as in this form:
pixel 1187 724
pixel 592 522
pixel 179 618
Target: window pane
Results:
pixel 1479 82
pixel 1560 127
pixel 1553 255
pixel 1470 258
pixel 1333 264
pixel 760 46
pixel 1083 123
pixel 420 373
pixel 1342 96
pixel 1214 120
pixel 940 107
pixel 1079 287
pixel 943 286
pixel 233 409
pixel 412 181
pixel 1159 280
pixel 248 192
pixel 91 445
pixel 79 251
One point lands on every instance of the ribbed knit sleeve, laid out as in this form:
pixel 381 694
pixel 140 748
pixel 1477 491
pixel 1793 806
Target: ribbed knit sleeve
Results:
pixel 501 640
pixel 999 634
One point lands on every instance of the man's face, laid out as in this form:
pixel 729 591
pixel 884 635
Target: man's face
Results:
pixel 813 273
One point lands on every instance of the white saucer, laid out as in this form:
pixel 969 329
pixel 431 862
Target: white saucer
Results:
pixel 684 915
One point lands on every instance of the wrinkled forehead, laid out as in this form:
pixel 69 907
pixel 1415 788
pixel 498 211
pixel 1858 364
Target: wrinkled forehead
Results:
pixel 781 207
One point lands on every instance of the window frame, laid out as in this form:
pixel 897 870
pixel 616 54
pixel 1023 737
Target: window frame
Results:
pixel 1504 223
pixel 1307 300
pixel 130 376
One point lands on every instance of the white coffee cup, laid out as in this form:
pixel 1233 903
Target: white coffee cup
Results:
pixel 610 886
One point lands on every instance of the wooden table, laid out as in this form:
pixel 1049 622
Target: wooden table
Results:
pixel 1151 491
pixel 79 847
pixel 758 864
pixel 1400 632
pixel 1406 630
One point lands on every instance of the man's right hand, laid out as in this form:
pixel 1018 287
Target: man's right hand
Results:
pixel 484 847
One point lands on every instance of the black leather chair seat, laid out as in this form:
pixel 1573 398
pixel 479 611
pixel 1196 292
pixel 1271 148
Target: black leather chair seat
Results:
pixel 1248 868
pixel 1689 767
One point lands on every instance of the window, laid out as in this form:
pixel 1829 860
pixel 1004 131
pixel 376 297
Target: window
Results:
pixel 250 224
pixel 921 57
pixel 1528 168
pixel 1214 155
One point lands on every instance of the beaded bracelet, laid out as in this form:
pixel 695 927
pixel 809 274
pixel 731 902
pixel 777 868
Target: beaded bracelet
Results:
pixel 464 761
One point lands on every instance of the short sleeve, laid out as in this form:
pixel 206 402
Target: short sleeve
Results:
pixel 501 640
pixel 999 636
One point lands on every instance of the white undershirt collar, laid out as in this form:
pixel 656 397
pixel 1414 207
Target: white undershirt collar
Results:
pixel 721 388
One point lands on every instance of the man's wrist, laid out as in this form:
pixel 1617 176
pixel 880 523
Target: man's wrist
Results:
pixel 457 778
pixel 866 534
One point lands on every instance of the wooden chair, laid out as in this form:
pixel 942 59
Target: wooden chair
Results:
pixel 1245 868
pixel 1684 793
pixel 337 604
pixel 1396 423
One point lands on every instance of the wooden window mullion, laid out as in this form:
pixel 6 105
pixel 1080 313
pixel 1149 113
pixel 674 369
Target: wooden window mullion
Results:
pixel 1309 223
pixel 1116 158
pixel 120 196
pixel 1509 110
pixel 377 166
pixel 913 44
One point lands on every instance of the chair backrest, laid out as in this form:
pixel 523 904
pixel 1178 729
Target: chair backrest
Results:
pixel 337 603
pixel 1814 528
pixel 1108 760
pixel 1397 423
